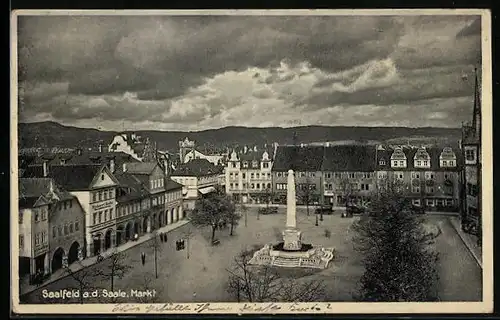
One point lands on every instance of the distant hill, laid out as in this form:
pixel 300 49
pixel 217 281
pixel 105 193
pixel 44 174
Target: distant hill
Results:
pixel 52 134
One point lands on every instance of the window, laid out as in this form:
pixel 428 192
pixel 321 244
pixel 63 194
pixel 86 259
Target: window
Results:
pixel 258 185
pixel 449 202
pixel 244 175
pixel 429 175
pixel 401 163
pixel 237 185
pixel 446 176
pixel 54 231
pixel 64 206
pixel 302 174
pixel 426 163
pixel 245 164
pixel 328 175
pixel 231 185
pixel 37 215
pixel 429 202
pixel 445 163
pixel 470 155
pixel 66 230
pixel 77 225
pixel 265 165
pixel 351 175
pixel 252 175
pixel 416 202
pixel 100 196
pixel 281 186
pixel 59 231
pixel 44 213
pixel 279 174
pixel 419 163
pixel 21 241
pixel 37 239
pixel 100 216
pixel 257 175
pixel 394 163
pixel 382 175
pixel 368 175
pixel 338 175
pixel 399 175
pixel 253 185
pixel 429 189
pixel 71 227
pixel 415 175
pixel 70 203
pixel 255 164
pixel 231 175
pixel 365 186
pixel 102 176
pixel 268 175
pixel 233 164
pixel 94 196
pixel 415 189
pixel 381 162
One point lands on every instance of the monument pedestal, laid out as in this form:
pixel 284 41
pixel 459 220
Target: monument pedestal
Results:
pixel 292 239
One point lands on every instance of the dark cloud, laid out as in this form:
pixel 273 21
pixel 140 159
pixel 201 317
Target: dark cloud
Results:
pixel 82 66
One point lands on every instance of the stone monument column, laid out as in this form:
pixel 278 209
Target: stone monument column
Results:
pixel 291 235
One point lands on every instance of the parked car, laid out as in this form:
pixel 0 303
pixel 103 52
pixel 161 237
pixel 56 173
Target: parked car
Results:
pixel 418 209
pixel 354 209
pixel 268 210
pixel 324 209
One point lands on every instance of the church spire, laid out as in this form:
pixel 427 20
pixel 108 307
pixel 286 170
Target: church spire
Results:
pixel 476 119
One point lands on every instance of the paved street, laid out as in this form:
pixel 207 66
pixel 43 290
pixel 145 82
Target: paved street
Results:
pixel 202 277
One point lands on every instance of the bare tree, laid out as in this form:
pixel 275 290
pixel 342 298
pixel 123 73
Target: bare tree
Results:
pixel 85 279
pixel 148 284
pixel 254 283
pixel 305 193
pixel 155 245
pixel 114 267
pixel 211 211
pixel 348 190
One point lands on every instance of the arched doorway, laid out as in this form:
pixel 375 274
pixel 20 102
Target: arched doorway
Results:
pixel 107 239
pixel 176 214
pixel 97 244
pixel 73 252
pixel 153 222
pixel 128 231
pixel 160 220
pixel 57 259
pixel 145 225
pixel 119 235
pixel 166 217
pixel 172 215
pixel 136 228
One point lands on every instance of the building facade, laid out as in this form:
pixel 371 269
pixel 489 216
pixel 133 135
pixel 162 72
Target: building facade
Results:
pixel 198 177
pixel 248 177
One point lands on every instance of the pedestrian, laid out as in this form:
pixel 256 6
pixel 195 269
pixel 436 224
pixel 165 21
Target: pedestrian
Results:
pixel 161 236
pixel 143 258
pixel 164 237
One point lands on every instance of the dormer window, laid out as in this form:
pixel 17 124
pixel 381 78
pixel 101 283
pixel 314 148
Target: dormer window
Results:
pixel 398 158
pixel 381 162
pixel 448 158
pixel 255 164
pixel 422 158
pixel 245 164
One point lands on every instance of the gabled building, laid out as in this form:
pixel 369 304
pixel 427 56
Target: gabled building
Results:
pixel 198 178
pixel 248 176
pixel 51 227
pixel 188 152
pixel 95 188
pixel 430 176
pixel 132 144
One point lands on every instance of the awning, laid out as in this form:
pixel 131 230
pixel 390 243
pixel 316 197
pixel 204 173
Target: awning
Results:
pixel 207 190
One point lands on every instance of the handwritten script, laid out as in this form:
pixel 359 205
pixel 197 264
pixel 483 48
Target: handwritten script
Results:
pixel 215 308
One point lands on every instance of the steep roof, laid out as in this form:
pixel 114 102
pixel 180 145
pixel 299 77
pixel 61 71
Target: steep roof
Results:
pixel 131 187
pixel 31 189
pixel 141 167
pixel 69 177
pixel 348 158
pixel 306 158
pixel 172 185
pixel 196 168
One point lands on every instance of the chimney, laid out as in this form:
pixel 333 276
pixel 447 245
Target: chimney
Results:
pixel 45 168
pixel 112 165
pixel 124 167
pixel 100 147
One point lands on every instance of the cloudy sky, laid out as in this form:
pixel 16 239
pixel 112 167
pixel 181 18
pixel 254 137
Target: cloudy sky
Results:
pixel 201 72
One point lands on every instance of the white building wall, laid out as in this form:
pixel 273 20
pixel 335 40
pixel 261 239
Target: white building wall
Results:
pixel 25 230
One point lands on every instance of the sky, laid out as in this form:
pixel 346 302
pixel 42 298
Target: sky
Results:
pixel 203 72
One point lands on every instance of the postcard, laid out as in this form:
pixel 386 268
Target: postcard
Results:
pixel 251 162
